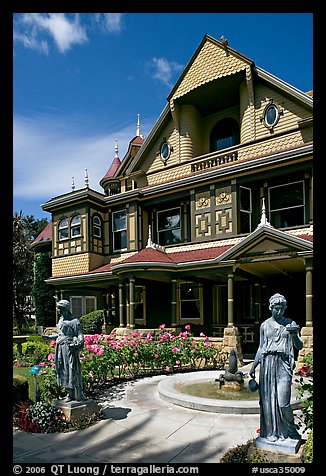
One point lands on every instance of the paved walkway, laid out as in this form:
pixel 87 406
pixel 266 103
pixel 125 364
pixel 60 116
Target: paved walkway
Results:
pixel 140 427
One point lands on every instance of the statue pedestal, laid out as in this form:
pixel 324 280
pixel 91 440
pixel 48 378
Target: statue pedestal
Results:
pixel 74 409
pixel 281 451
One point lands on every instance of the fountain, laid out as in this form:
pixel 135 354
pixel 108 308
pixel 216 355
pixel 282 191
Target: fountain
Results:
pixel 216 390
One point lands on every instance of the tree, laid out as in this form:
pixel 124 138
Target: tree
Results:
pixel 42 292
pixel 25 230
pixel 22 271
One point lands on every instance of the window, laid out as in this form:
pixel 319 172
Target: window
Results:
pixel 97 227
pixel 271 115
pixel 245 210
pixel 169 226
pixel 81 305
pixel 190 302
pixel 119 227
pixel 286 205
pixel 63 229
pixel 75 226
pixel 140 303
pixel 224 134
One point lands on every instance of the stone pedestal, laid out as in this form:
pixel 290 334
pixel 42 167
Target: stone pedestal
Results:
pixel 274 454
pixel 76 409
pixel 288 445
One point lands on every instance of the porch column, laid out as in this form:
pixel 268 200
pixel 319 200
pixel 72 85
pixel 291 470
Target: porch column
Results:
pixel 127 299
pixel 230 300
pixel 257 311
pixel 132 302
pixel 309 295
pixel 121 305
pixel 174 302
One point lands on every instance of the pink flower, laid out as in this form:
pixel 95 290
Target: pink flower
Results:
pixel 187 327
pixel 162 326
pixel 258 430
pixel 202 334
pixel 177 362
pixel 41 364
pixel 156 356
pixel 167 368
pixel 53 343
pixel 50 356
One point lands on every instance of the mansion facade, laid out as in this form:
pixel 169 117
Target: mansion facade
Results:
pixel 205 218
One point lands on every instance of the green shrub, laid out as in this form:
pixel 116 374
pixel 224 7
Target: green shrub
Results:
pixel 35 352
pixel 38 339
pixel 48 388
pixel 20 390
pixel 307 456
pixel 92 322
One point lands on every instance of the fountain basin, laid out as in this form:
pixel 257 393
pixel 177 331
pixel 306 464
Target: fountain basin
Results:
pixel 169 390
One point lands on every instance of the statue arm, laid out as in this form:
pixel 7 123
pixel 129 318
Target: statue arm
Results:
pixel 296 339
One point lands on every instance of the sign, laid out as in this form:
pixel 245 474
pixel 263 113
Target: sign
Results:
pixel 35 370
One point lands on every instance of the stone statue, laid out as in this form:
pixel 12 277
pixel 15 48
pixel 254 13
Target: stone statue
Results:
pixel 232 379
pixel 279 336
pixel 69 343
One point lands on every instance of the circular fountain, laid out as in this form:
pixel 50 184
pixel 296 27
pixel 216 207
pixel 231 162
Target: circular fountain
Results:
pixel 216 390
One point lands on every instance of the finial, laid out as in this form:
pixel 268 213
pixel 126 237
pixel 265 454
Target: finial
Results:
pixel 116 150
pixel 149 241
pixel 263 219
pixel 150 244
pixel 86 179
pixel 138 125
pixel 73 184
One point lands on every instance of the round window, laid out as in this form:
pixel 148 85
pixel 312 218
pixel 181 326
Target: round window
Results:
pixel 271 115
pixel 165 151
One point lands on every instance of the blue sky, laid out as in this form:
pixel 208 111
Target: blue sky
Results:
pixel 81 79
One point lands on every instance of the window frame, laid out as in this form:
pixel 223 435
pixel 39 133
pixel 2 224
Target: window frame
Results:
pixel 75 226
pixel 97 226
pixel 217 129
pixel 120 230
pixel 83 305
pixel 199 286
pixel 61 229
pixel 303 205
pixel 246 211
pixel 160 233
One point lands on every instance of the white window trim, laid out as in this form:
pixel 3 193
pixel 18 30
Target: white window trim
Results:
pixel 83 303
pixel 118 231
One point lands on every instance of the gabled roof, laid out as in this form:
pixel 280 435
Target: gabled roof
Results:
pixel 266 239
pixel 45 237
pixel 223 63
pixel 214 53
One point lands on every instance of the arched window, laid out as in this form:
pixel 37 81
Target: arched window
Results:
pixel 75 226
pixel 224 134
pixel 97 227
pixel 63 229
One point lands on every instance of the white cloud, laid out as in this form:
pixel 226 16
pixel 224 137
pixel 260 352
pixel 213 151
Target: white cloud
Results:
pixel 164 70
pixel 66 32
pixel 50 149
pixel 113 22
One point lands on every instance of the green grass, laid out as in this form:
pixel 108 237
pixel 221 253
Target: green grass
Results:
pixel 24 372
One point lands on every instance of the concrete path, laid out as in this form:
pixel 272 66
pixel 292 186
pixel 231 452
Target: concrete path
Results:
pixel 140 427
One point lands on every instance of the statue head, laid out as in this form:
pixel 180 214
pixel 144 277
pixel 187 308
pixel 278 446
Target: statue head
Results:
pixel 63 304
pixel 277 299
